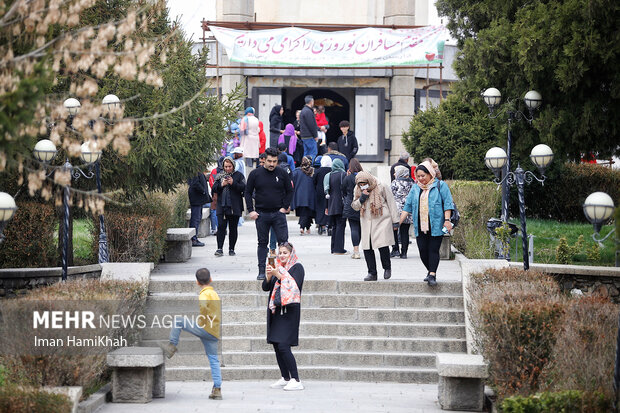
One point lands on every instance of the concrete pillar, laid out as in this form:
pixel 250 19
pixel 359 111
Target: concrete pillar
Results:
pixel 402 85
pixel 233 11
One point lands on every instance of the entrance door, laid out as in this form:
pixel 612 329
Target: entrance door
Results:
pixel 370 124
pixel 264 99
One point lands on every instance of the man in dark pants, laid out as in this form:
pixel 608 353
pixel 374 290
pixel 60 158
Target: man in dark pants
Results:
pixel 268 196
pixel 308 131
pixel 198 193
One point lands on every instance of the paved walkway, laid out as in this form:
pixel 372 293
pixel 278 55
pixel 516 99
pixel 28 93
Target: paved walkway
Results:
pixel 313 251
pixel 318 397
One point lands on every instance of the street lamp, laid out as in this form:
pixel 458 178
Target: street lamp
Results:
pixel 72 105
pixel 598 208
pixel 7 210
pixel 496 159
pixel 492 98
pixel 45 150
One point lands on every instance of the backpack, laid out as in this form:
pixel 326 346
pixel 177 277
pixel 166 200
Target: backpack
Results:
pixel 455 216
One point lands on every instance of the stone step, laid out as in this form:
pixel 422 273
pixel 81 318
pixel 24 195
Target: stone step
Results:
pixel 381 374
pixel 368 315
pixel 316 329
pixel 309 358
pixel 347 344
pixel 342 287
pixel 189 301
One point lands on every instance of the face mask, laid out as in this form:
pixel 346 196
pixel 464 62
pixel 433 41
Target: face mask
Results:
pixel 364 187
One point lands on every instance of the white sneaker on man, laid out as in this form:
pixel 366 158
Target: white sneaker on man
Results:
pixel 294 385
pixel 279 384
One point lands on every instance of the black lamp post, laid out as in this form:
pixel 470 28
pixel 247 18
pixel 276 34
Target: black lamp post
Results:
pixel 496 160
pixel 45 151
pixel 7 210
pixel 493 97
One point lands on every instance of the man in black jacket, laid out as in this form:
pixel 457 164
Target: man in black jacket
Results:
pixel 347 142
pixel 198 193
pixel 308 131
pixel 402 161
pixel 268 196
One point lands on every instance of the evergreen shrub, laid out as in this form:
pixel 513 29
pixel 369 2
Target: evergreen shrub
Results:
pixel 29 236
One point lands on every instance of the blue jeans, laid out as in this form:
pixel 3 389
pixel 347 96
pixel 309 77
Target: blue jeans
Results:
pixel 209 342
pixel 309 147
pixel 213 216
pixel 195 217
pixel 272 239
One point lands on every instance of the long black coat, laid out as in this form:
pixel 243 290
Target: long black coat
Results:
pixel 236 193
pixel 283 326
pixel 198 191
pixel 348 186
pixel 304 191
pixel 334 203
pixel 321 202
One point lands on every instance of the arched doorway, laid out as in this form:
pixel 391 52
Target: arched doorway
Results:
pixel 337 107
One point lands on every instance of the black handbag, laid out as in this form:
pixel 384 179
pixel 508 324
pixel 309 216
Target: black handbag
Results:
pixel 277 299
pixel 455 216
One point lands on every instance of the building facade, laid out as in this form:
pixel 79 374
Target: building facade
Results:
pixel 378 102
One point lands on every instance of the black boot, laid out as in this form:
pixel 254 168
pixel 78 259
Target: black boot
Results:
pixel 387 274
pixel 427 275
pixel 432 280
pixel 371 277
pixel 394 253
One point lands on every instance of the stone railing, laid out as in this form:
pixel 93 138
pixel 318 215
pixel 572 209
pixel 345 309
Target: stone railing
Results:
pixel 13 280
pixel 602 281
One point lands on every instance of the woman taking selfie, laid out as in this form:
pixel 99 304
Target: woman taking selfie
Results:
pixel 284 281
pixel 229 186
pixel 430 205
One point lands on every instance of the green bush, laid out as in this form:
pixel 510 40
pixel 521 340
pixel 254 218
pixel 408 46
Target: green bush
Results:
pixel 136 230
pixel 565 190
pixel 180 205
pixel 568 401
pixel 477 202
pixel 14 399
pixel 30 237
pixel 456 135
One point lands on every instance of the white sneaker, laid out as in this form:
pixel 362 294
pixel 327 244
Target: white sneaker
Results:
pixel 279 384
pixel 294 385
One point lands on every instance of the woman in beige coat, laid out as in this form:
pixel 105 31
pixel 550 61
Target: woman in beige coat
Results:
pixel 378 218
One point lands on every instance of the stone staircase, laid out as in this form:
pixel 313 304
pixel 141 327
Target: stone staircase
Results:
pixel 358 331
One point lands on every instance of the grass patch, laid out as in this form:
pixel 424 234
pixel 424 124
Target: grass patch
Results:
pixel 547 234
pixel 82 241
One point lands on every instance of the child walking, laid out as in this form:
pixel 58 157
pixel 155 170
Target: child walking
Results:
pixel 206 328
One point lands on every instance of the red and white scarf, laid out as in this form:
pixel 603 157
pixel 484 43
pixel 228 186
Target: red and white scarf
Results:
pixel 289 291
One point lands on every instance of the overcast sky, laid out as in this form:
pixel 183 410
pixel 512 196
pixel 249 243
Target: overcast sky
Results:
pixel 190 13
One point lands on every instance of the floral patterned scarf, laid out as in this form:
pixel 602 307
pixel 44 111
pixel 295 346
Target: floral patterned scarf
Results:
pixel 424 209
pixel 289 291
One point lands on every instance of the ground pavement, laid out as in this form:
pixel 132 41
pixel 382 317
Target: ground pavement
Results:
pixel 314 253
pixel 319 396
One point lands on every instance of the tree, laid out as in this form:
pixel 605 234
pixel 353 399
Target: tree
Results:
pixel 456 135
pixel 568 50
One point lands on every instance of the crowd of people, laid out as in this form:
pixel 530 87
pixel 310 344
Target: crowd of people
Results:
pixel 324 185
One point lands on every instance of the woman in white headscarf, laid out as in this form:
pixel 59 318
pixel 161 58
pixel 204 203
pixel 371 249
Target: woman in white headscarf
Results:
pixel 430 205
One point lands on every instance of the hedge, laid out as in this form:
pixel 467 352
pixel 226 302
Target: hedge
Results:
pixel 566 401
pixel 565 190
pixel 30 237
pixel 477 201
